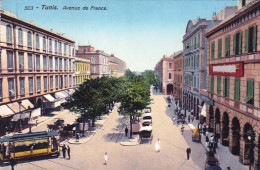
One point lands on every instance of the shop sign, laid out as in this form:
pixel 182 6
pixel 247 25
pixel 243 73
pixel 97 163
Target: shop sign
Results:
pixel 227 69
pixel 206 99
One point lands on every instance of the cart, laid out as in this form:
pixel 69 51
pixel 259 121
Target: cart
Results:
pixel 146 134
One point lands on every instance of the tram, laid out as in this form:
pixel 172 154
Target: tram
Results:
pixel 29 145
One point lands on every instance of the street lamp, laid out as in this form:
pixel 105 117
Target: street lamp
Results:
pixel 251 138
pixel 21 126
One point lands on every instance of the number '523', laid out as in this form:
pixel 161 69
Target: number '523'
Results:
pixel 28 8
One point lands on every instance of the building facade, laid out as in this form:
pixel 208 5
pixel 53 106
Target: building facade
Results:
pixel 34 62
pixel 165 71
pixel 82 70
pixel 99 60
pixel 117 66
pixel 234 82
pixel 178 66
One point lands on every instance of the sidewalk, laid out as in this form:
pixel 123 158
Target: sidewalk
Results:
pixel 226 158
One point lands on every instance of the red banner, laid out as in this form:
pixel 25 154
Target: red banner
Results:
pixel 227 69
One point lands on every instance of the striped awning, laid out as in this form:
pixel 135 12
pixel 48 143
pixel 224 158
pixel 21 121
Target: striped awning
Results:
pixel 5 111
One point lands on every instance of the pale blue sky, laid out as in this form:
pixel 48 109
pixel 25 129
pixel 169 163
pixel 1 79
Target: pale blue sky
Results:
pixel 139 32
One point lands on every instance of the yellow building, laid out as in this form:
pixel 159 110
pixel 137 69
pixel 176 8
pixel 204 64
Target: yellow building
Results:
pixel 82 70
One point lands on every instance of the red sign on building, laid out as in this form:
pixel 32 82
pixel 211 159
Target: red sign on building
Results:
pixel 227 69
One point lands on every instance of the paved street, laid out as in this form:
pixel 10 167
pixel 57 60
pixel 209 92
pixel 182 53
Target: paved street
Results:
pixel 90 155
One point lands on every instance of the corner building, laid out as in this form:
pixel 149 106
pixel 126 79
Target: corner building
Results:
pixel 177 84
pixel 234 82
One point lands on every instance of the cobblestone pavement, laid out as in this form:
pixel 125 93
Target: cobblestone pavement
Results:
pixel 90 155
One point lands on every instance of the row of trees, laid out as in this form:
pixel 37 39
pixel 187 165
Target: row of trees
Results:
pixel 92 98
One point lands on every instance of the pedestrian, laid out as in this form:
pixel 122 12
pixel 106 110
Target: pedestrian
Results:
pixel 216 140
pixel 77 137
pixel 158 145
pixel 207 141
pixel 183 120
pixel 68 151
pixel 192 118
pixel 189 118
pixel 204 129
pixel 182 129
pixel 214 146
pixel 188 151
pixel 126 131
pixel 64 151
pixel 12 163
pixel 200 127
pixel 105 158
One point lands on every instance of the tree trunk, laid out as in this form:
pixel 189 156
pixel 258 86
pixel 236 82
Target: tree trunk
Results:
pixel 131 132
pixel 93 122
pixel 83 134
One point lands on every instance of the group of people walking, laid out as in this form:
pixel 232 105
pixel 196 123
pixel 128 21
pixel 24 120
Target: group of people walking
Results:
pixel 212 142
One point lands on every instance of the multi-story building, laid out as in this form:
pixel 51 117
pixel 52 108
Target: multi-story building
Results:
pixel 82 70
pixel 98 59
pixel 117 66
pixel 164 70
pixel 34 63
pixel 194 56
pixel 234 82
pixel 177 86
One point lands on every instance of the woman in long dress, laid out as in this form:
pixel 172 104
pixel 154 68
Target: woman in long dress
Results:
pixel 158 145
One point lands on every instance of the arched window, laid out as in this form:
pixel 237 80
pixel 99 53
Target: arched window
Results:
pixel 37 41
pixel 29 39
pixel 20 36
pixel 44 43
pixel 9 34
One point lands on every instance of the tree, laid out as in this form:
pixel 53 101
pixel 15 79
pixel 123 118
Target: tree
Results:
pixel 134 96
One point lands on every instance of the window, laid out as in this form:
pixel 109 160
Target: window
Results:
pixel 30 62
pixel 74 81
pixel 212 50
pixel 227 46
pixel 60 47
pixel 20 36
pixel 61 82
pixel 50 45
pixel 65 81
pixel 31 85
pixel 22 91
pixel 251 39
pixel 70 64
pixel 9 34
pixel 237 43
pixel 56 46
pixel 44 43
pixel 198 40
pixel 64 47
pixel 170 65
pixel 226 87
pixel 51 82
pixel 237 89
pixel 69 50
pixel 250 92
pixel 56 63
pixel 65 64
pixel 60 63
pixel 21 61
pixel 50 63
pixel 56 82
pixel 45 83
pixel 38 84
pixel 37 41
pixel 37 62
pixel 11 87
pixel 219 85
pixel 219 48
pixel 10 61
pixel 70 80
pixel 44 63
pixel 29 39
pixel 1 89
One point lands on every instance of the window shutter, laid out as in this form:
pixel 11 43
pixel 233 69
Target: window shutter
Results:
pixel 228 45
pixel 234 44
pixel 246 41
pixel 227 87
pixel 224 87
pixel 237 89
pixel 212 50
pixel 218 85
pixel 254 38
pixel 240 43
pixel 198 40
pixel 219 48
pixel 250 90
pixel 212 84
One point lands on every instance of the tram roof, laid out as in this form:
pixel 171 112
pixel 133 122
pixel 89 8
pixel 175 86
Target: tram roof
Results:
pixel 28 135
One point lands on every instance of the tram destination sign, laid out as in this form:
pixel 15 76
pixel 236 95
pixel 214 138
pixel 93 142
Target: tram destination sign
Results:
pixel 227 69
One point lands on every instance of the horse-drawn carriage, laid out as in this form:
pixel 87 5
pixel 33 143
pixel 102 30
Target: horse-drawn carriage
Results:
pixel 145 133
pixel 211 162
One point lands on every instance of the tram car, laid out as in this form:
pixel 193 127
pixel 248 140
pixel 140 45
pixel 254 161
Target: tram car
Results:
pixel 29 145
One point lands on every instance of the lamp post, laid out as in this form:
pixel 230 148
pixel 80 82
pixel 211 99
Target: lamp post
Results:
pixel 251 138
pixel 21 126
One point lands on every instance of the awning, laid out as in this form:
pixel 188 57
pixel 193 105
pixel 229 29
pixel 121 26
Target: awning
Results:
pixel 60 96
pixel 49 98
pixel 21 116
pixel 15 107
pixel 5 111
pixel 65 93
pixel 26 104
pixel 71 91
pixel 203 110
pixel 36 112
